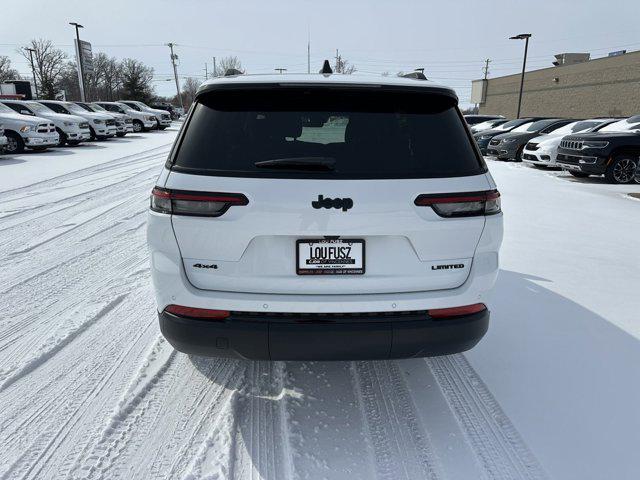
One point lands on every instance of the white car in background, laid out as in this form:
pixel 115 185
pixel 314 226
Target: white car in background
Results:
pixel 142 121
pixel 542 151
pixel 101 126
pixel 162 116
pixel 124 123
pixel 71 128
pixel 488 125
pixel 25 131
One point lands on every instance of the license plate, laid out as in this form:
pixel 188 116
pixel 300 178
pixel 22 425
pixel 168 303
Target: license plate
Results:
pixel 330 256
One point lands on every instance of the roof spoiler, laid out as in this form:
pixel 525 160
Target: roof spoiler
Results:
pixel 415 75
pixel 230 72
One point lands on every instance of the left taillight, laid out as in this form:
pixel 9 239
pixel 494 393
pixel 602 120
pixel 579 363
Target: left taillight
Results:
pixel 469 204
pixel 199 204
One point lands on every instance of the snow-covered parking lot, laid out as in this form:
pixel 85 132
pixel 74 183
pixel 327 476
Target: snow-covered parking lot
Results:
pixel 89 389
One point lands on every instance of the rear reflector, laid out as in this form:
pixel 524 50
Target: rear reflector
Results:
pixel 199 204
pixel 201 313
pixel 469 204
pixel 456 311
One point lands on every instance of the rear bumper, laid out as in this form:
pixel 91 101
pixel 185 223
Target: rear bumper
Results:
pixel 324 337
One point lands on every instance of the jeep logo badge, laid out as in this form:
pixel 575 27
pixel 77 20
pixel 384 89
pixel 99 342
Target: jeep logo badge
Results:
pixel 343 203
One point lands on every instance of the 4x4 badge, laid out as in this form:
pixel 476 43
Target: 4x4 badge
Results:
pixel 343 203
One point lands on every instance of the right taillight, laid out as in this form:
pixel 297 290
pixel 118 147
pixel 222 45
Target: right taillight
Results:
pixel 198 204
pixel 469 204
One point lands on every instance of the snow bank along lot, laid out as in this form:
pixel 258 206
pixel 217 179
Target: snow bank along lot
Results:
pixel 89 389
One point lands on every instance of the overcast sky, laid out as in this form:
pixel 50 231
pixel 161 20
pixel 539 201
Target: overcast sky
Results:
pixel 450 39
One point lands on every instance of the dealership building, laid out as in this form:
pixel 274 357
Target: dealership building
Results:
pixel 576 86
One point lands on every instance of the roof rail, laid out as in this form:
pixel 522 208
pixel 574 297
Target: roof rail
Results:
pixel 414 75
pixel 232 71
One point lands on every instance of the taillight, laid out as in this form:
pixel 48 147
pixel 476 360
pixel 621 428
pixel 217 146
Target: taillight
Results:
pixel 199 204
pixel 200 313
pixel 442 313
pixel 469 204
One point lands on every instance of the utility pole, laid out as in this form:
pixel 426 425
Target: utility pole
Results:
pixel 309 52
pixel 337 61
pixel 206 73
pixel 525 37
pixel 175 73
pixel 215 72
pixel 33 70
pixel 79 57
pixel 485 69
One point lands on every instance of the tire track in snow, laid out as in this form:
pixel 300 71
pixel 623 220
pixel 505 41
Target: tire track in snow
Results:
pixel 500 450
pixel 402 449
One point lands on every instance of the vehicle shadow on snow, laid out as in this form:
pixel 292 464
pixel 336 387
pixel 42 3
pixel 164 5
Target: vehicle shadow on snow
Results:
pixel 5 160
pixel 566 372
pixel 552 361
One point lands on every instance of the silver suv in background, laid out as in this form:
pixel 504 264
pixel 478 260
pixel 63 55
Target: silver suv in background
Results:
pixel 162 116
pixel 124 123
pixel 24 131
pixel 71 128
pixel 142 121
pixel 101 126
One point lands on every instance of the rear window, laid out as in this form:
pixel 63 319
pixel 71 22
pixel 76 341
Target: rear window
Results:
pixel 359 133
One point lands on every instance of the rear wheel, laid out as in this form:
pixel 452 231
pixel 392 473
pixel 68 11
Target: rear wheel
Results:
pixel 15 143
pixel 621 170
pixel 579 174
pixel 63 138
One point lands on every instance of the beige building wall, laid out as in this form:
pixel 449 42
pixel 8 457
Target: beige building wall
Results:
pixel 607 86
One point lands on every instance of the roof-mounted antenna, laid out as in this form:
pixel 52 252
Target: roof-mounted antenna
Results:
pixel 231 72
pixel 326 68
pixel 415 75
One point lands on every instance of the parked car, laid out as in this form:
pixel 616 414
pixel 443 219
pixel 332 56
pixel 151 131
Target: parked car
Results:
pixel 483 138
pixel 122 127
pixel 168 107
pixel 26 131
pixel 473 119
pixel 162 116
pixel 3 139
pixel 71 129
pixel 509 146
pixel 488 124
pixel 142 122
pixel 272 236
pixel 542 151
pixel 613 151
pixel 101 126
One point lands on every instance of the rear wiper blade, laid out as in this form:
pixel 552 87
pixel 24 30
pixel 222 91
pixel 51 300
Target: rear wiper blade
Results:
pixel 299 163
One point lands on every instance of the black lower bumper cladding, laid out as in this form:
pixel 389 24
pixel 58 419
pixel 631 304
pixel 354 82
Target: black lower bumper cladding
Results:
pixel 370 336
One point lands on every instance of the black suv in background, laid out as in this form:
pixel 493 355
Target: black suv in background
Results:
pixel 473 119
pixel 484 137
pixel 613 151
pixel 509 146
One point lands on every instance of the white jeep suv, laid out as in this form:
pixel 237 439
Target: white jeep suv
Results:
pixel 71 128
pixel 324 217
pixel 163 117
pixel 142 122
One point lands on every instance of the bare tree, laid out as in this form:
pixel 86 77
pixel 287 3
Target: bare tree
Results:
pixel 228 63
pixel 105 80
pixel 49 64
pixel 343 66
pixel 6 72
pixel 136 80
pixel 189 89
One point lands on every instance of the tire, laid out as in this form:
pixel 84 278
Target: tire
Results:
pixel 621 170
pixel 120 134
pixel 92 134
pixel 519 154
pixel 15 145
pixel 161 128
pixel 138 126
pixel 579 174
pixel 39 149
pixel 63 138
pixel 73 143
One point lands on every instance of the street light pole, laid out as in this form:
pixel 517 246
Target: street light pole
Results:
pixel 33 71
pixel 525 37
pixel 79 57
